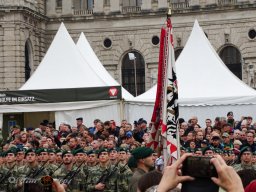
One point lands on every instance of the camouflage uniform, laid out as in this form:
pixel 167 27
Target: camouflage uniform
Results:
pixel 243 166
pixel 97 172
pixel 76 184
pixel 9 174
pixel 125 176
pixel 33 176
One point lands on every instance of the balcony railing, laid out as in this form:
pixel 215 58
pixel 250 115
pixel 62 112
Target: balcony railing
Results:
pixel 82 12
pixel 131 9
pixel 179 5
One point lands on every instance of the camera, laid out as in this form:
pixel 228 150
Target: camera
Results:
pixel 199 166
pixel 202 170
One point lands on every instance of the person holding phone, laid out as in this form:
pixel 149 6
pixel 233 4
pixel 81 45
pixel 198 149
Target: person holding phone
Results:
pixel 227 179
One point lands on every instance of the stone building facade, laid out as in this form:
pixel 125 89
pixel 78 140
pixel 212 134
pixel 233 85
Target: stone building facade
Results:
pixel 118 27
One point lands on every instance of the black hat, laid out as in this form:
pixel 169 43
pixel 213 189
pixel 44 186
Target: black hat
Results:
pixel 230 113
pixel 244 149
pixel 207 148
pixel 79 118
pixel 204 141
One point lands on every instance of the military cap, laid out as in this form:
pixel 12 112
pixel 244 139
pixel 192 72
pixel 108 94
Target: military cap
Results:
pixel 254 153
pixel 102 150
pixel 80 150
pixel 142 152
pixel 207 148
pixel 230 152
pixel 79 118
pixel 92 152
pixel 11 150
pixel 66 152
pixel 198 149
pixel 30 151
pixel 21 149
pixel 58 151
pixel 51 151
pixel 123 149
pixel 40 150
pixel 230 113
pixel 245 149
pixel 114 149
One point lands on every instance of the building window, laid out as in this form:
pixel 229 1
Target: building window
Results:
pixel 107 43
pixel 128 73
pixel 28 60
pixel 83 4
pixel 59 3
pixel 231 56
pixel 155 40
pixel 106 3
pixel 252 33
pixel 132 3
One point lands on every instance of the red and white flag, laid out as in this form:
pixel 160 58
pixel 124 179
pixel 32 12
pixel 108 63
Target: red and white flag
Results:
pixel 165 114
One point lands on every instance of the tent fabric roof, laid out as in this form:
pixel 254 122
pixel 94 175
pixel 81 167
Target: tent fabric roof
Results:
pixel 63 67
pixel 91 58
pixel 203 79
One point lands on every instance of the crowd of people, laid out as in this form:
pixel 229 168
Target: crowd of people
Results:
pixel 108 157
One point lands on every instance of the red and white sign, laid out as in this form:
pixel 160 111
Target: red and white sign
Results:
pixel 112 92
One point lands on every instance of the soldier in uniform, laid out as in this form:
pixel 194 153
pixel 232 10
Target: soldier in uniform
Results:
pixel 30 174
pixel 92 159
pixel 245 158
pixel 58 159
pixel 20 158
pixel 104 176
pixel 65 172
pixel 9 171
pixel 44 156
pixel 143 159
pixel 113 155
pixel 52 156
pixel 124 171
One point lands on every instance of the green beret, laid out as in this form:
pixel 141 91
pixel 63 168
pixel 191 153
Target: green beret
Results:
pixel 66 152
pixel 11 150
pixel 80 150
pixel 51 151
pixel 29 151
pixel 198 149
pixel 40 150
pixel 114 149
pixel 123 149
pixel 142 152
pixel 208 148
pixel 21 149
pixel 58 151
pixel 91 152
pixel 102 150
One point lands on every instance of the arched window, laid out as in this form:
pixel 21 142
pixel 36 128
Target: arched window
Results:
pixel 177 53
pixel 128 71
pixel 28 60
pixel 231 56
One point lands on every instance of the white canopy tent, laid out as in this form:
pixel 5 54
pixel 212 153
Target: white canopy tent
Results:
pixel 207 88
pixel 92 60
pixel 63 67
